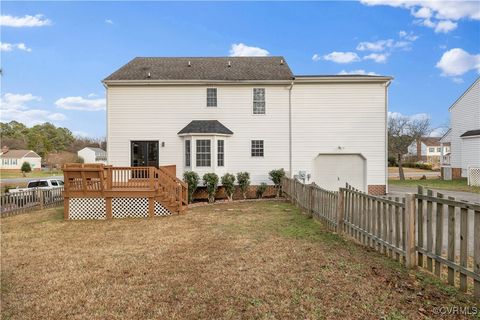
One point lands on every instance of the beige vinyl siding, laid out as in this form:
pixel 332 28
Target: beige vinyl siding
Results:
pixel 340 118
pixel 160 112
pixel 465 116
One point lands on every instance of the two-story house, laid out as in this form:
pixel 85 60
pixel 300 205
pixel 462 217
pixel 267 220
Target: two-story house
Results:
pixel 429 150
pixel 232 114
pixel 464 135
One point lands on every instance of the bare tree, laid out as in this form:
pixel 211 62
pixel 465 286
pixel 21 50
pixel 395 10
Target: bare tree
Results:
pixel 402 131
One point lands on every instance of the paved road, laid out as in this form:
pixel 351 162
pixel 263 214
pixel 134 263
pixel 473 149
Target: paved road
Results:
pixel 399 191
pixel 25 180
pixel 458 195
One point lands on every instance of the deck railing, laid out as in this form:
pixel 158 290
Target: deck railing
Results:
pixel 108 182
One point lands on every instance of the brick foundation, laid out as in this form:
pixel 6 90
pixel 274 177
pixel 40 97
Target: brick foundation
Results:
pixel 377 189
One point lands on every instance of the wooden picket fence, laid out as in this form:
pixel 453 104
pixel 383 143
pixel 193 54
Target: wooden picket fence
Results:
pixel 29 200
pixel 424 229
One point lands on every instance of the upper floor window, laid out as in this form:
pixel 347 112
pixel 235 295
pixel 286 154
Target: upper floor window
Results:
pixel 188 153
pixel 211 97
pixel 258 100
pixel 220 153
pixel 431 149
pixel 203 153
pixel 439 149
pixel 257 148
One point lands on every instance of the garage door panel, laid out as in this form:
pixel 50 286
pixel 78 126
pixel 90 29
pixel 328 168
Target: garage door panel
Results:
pixel 332 171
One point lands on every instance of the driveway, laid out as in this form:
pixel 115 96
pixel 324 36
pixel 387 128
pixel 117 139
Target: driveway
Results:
pixel 397 191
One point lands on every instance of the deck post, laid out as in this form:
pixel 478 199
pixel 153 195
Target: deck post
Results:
pixel 108 207
pixel 151 207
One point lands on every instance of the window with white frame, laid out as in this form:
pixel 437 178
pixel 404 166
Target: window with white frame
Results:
pixel 220 153
pixel 258 100
pixel 188 153
pixel 257 148
pixel 431 149
pixel 439 149
pixel 211 97
pixel 203 153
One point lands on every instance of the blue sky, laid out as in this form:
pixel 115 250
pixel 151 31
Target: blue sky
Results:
pixel 55 54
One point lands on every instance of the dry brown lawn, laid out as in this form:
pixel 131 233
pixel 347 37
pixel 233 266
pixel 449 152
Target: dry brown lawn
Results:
pixel 252 260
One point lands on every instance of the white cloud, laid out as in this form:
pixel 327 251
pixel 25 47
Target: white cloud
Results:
pixel 11 46
pixel 416 116
pixel 316 57
pixel 377 57
pixel 445 26
pixel 25 21
pixel 456 62
pixel 358 71
pixel 341 57
pixel 242 50
pixel 92 95
pixel 457 80
pixel 410 36
pixel 438 15
pixel 81 104
pixel 379 45
pixel 108 21
pixel 14 107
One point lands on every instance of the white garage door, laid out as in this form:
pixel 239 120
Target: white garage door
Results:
pixel 332 171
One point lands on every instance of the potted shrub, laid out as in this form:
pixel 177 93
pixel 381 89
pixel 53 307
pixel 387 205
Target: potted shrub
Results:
pixel 210 180
pixel 243 180
pixel 276 176
pixel 228 182
pixel 192 179
pixel 261 190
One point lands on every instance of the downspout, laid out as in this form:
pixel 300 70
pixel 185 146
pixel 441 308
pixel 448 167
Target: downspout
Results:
pixel 290 129
pixel 387 84
pixel 106 121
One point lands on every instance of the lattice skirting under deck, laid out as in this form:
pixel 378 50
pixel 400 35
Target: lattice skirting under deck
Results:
pixel 95 208
pixel 87 208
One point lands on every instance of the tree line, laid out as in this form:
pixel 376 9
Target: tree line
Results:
pixel 45 138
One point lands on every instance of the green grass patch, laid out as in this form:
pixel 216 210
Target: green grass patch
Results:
pixel 33 174
pixel 454 185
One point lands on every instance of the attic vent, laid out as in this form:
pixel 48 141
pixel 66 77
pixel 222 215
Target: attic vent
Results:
pixel 281 62
pixel 229 64
pixel 189 63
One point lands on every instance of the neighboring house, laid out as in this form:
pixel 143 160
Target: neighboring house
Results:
pixel 93 155
pixel 232 114
pixel 464 134
pixel 428 149
pixel 13 159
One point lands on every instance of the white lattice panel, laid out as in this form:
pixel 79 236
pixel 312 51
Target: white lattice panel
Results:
pixel 86 208
pixel 474 176
pixel 129 207
pixel 161 210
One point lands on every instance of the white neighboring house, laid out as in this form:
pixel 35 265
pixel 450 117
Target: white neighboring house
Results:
pixel 232 114
pixel 13 159
pixel 93 155
pixel 431 150
pixel 464 134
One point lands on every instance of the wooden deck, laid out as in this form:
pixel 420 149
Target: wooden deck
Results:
pixel 160 185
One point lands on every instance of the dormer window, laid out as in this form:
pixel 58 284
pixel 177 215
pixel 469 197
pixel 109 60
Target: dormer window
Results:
pixel 211 97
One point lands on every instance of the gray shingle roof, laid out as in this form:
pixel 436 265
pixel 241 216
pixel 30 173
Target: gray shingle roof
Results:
pixel 17 154
pixel 205 126
pixel 98 151
pixel 209 68
pixel 471 133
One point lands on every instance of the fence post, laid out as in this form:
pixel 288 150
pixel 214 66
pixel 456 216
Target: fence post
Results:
pixel 410 230
pixel 340 210
pixel 41 199
pixel 310 200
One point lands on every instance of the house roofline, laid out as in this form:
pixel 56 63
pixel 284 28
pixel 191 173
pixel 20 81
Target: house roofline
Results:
pixel 295 79
pixel 464 93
